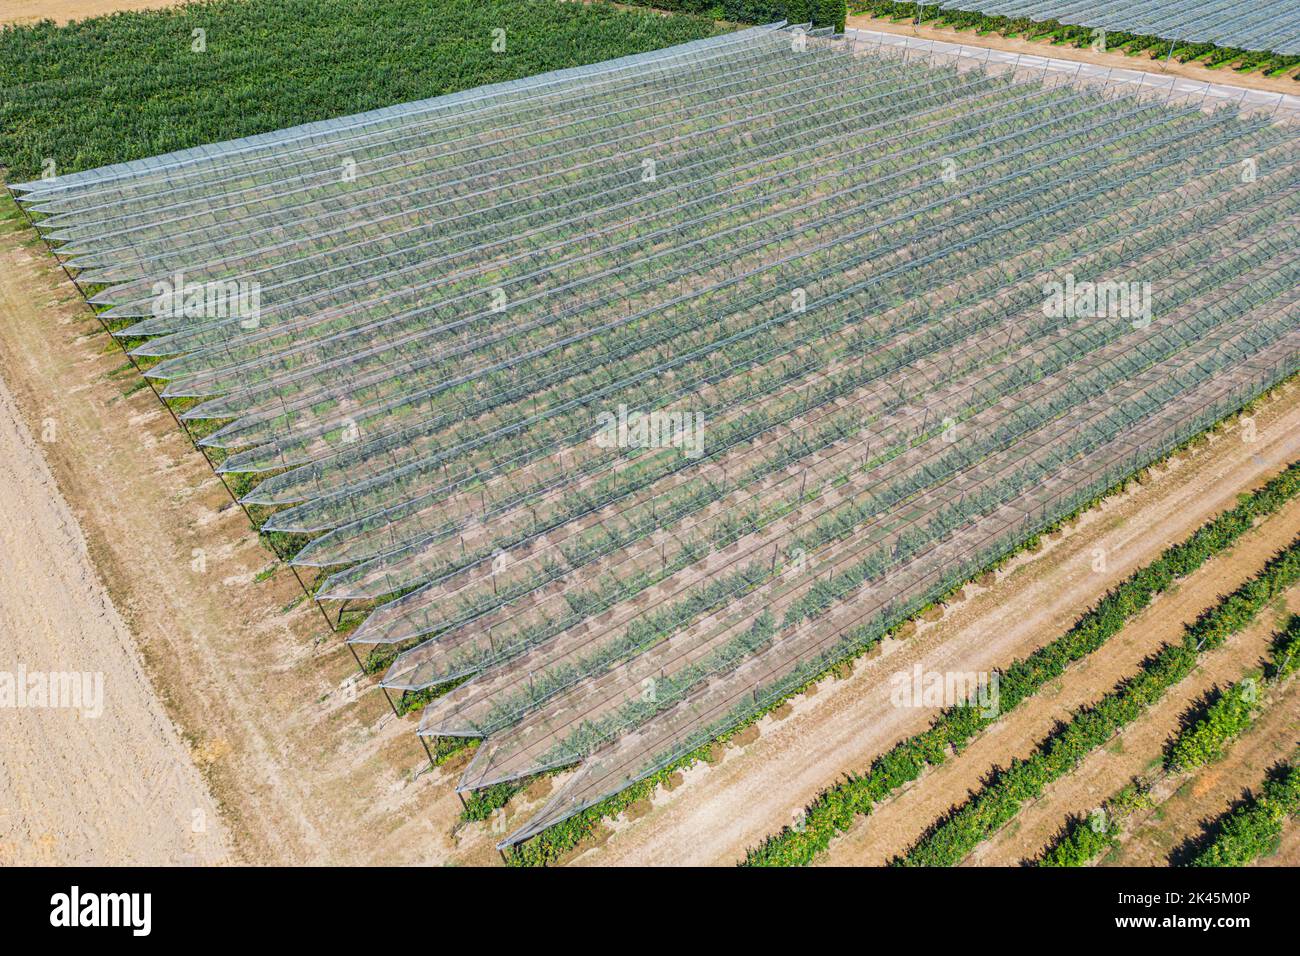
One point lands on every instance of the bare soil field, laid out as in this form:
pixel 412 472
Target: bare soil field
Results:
pixel 306 764
pixel 144 803
pixel 62 11
pixel 1140 747
pixel 896 825
pixel 721 810
pixel 1189 71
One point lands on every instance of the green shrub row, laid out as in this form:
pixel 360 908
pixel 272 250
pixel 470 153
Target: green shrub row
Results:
pixel 1084 838
pixel 1000 800
pixel 126 86
pixel 1253 829
pixel 1224 720
pixel 820 13
pixel 416 699
pixel 835 808
pixel 481 804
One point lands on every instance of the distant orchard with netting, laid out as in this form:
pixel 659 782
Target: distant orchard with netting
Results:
pixel 616 404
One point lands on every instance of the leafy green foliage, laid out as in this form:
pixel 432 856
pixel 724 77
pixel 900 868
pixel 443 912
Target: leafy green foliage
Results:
pixel 820 13
pixel 1284 660
pixel 1224 720
pixel 117 88
pixel 1234 709
pixel 1231 712
pixel 415 699
pixel 1087 837
pixel 481 804
pixel 1253 829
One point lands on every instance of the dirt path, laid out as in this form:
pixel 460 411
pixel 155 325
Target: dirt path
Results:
pixel 306 764
pixel 144 802
pixel 895 826
pixel 1122 61
pixel 1139 748
pixel 61 11
pixel 719 811
pixel 1210 792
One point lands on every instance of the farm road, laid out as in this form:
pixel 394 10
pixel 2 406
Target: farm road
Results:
pixel 80 786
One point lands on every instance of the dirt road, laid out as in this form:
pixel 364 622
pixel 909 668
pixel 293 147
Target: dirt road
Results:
pixel 108 781
pixel 722 810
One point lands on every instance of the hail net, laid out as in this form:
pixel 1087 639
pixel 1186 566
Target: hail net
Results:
pixel 626 400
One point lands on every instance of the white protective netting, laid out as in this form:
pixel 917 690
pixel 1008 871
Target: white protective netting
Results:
pixel 822 262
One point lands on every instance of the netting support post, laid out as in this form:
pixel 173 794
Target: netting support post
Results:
pixel 307 591
pixel 356 657
pixel 433 764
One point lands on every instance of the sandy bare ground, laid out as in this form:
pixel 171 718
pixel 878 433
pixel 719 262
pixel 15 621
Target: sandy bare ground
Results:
pixel 896 825
pixel 306 764
pixel 722 810
pixel 1190 71
pixel 61 11
pixel 80 785
pixel 1139 748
